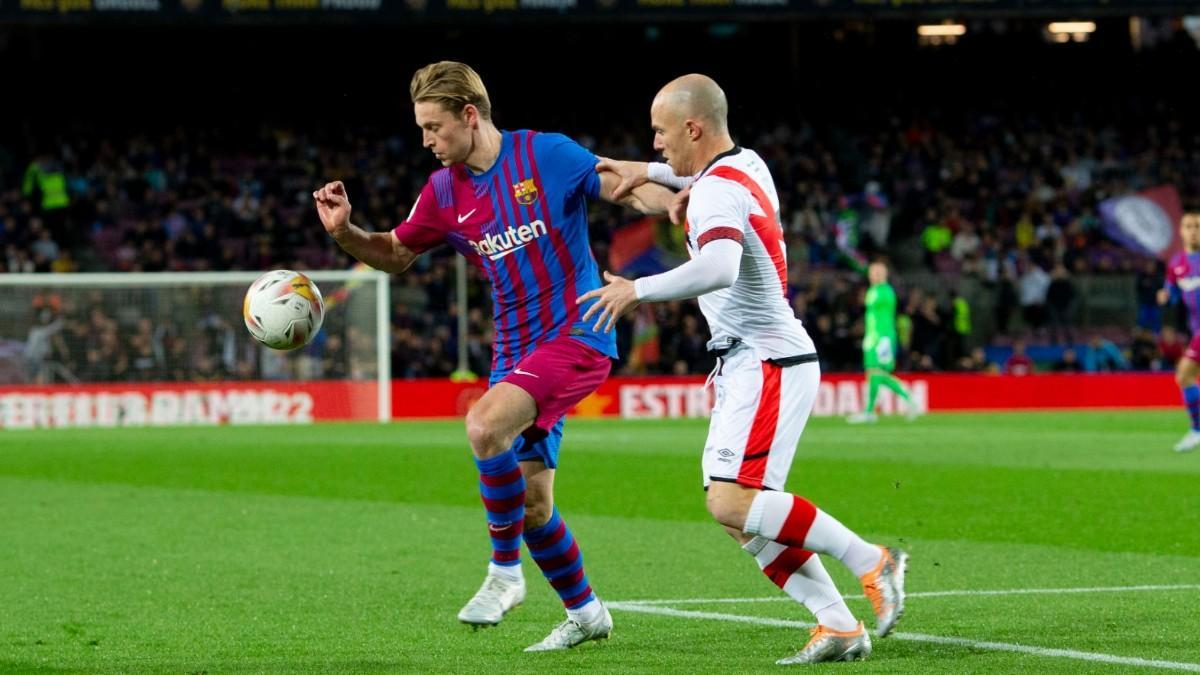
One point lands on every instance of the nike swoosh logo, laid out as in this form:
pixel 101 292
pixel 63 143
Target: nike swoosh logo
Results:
pixel 510 251
pixel 518 371
pixel 461 219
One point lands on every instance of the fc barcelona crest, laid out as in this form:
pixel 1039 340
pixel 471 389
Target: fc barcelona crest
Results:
pixel 525 192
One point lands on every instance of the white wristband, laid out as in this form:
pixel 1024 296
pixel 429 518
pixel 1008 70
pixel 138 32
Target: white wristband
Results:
pixel 662 174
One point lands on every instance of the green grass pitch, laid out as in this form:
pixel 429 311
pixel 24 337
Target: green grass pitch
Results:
pixel 350 548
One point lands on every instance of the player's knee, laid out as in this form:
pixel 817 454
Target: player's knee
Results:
pixel 726 511
pixel 1185 378
pixel 484 436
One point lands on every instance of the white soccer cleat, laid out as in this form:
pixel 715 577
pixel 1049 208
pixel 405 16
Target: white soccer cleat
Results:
pixel 572 633
pixel 492 601
pixel 863 418
pixel 1189 443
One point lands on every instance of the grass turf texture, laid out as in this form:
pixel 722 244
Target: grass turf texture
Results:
pixel 350 548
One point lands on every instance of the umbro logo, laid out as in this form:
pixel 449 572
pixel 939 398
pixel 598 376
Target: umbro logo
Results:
pixel 726 452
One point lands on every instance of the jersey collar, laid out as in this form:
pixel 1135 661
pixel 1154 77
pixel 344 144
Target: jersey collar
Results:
pixel 506 146
pixel 728 153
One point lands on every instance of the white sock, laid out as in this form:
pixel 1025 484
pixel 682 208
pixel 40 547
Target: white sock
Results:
pixel 506 572
pixel 835 539
pixel 826 603
pixel 589 613
pixel 769 517
pixel 809 585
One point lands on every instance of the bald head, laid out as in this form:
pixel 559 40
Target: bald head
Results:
pixel 698 97
pixel 689 117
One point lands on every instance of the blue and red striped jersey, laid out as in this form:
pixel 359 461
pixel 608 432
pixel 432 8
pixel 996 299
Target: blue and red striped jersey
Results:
pixel 1183 278
pixel 524 224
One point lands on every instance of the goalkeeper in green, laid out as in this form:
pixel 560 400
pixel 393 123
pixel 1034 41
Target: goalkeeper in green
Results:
pixel 879 345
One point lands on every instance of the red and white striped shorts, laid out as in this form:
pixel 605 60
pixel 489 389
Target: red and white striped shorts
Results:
pixel 760 413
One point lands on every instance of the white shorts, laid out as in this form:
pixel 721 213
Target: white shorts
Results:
pixel 760 412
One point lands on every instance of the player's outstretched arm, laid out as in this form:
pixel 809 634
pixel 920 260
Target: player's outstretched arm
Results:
pixel 630 175
pixel 380 250
pixel 648 198
pixel 636 174
pixel 716 267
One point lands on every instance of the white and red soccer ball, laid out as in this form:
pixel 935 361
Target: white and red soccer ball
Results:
pixel 283 309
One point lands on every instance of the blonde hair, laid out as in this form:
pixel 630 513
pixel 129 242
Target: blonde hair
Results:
pixel 453 85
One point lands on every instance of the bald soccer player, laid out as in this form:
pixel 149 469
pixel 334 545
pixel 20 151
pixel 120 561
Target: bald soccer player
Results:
pixel 767 373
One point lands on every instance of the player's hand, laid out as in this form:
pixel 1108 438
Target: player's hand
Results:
pixel 677 209
pixel 613 300
pixel 333 206
pixel 1164 296
pixel 632 175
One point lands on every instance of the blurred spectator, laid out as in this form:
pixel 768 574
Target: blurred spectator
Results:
pixel 976 362
pixel 1006 298
pixel 1060 301
pixel 936 238
pixel 1104 356
pixel 960 335
pixel 1171 347
pixel 1018 362
pixel 1143 352
pixel 1069 363
pixel 928 335
pixel 1149 280
pixel 966 244
pixel 45 184
pixel 1034 286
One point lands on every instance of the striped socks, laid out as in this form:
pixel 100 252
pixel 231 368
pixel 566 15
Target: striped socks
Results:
pixel 801 575
pixel 554 550
pixel 1191 398
pixel 502 486
pixel 794 521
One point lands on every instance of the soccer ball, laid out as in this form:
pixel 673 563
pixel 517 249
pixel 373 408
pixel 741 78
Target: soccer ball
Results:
pixel 283 309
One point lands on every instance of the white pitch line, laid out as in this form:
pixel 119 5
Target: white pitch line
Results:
pixel 931 594
pixel 921 637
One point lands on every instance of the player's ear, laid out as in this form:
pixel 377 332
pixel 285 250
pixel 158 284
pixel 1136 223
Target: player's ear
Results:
pixel 694 130
pixel 470 115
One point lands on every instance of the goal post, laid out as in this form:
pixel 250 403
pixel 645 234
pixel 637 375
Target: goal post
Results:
pixel 125 349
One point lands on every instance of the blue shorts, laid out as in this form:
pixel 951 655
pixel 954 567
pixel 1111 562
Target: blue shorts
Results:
pixel 544 450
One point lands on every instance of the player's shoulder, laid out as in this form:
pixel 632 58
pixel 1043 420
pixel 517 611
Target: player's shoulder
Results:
pixel 725 177
pixel 442 183
pixel 549 141
pixel 742 166
pixel 713 196
pixel 1179 263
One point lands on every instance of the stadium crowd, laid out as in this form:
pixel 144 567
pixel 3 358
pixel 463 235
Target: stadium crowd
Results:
pixel 1010 202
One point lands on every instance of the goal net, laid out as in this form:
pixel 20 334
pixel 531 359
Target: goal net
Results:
pixel 171 348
